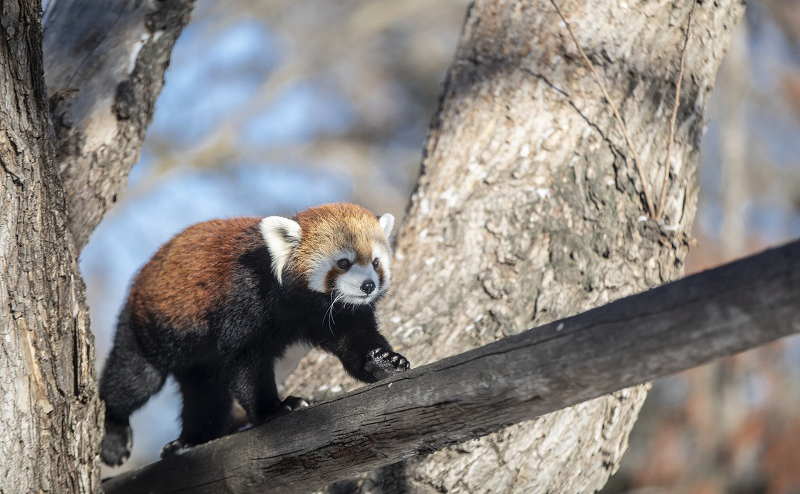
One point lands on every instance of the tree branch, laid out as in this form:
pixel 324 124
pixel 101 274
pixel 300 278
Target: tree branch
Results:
pixel 104 66
pixel 675 106
pixel 631 341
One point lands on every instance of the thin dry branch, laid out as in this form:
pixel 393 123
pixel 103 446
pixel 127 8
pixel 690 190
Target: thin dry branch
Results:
pixel 665 181
pixel 650 209
pixel 634 340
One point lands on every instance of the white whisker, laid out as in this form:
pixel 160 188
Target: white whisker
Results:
pixel 329 313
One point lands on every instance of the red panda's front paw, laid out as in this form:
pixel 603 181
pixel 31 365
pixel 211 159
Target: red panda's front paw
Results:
pixel 383 363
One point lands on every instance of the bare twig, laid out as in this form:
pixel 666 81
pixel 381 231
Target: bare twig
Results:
pixel 650 209
pixel 665 181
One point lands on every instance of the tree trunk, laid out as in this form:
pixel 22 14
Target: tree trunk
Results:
pixel 50 415
pixel 104 63
pixel 529 210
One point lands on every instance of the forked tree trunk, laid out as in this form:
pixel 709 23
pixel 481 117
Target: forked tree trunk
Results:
pixel 529 209
pixel 105 64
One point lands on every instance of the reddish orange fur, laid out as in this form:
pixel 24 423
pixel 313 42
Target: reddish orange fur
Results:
pixel 381 274
pixel 192 273
pixel 328 227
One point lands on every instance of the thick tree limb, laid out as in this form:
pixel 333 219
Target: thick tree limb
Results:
pixel 104 66
pixel 631 341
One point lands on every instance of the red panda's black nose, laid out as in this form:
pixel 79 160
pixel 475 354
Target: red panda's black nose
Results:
pixel 368 287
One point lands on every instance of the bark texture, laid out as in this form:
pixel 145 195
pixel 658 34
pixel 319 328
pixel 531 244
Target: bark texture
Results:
pixel 50 415
pixel 104 64
pixel 529 210
pixel 664 330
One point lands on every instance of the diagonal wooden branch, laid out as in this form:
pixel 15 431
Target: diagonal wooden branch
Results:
pixel 631 341
pixel 104 67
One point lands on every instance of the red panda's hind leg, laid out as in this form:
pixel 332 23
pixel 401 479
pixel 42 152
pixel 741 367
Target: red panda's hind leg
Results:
pixel 207 408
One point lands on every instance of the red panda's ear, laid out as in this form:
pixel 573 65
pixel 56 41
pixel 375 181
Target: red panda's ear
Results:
pixel 281 236
pixel 387 223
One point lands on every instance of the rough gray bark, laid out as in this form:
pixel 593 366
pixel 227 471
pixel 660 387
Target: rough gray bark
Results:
pixel 50 415
pixel 627 342
pixel 104 64
pixel 528 210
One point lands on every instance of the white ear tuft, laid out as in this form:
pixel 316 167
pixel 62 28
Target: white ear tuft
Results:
pixel 281 235
pixel 387 223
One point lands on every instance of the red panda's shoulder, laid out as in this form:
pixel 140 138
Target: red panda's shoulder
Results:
pixel 191 275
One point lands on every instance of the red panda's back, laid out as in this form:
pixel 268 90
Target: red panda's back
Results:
pixel 191 275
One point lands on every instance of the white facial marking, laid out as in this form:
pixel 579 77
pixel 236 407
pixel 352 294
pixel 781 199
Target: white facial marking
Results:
pixel 281 236
pixel 322 266
pixel 349 283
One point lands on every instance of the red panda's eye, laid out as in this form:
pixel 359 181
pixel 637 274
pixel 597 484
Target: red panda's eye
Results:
pixel 343 263
pixel 376 262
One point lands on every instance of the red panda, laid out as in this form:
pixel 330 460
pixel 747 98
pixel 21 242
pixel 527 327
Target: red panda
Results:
pixel 218 304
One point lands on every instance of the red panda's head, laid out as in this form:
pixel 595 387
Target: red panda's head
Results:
pixel 342 249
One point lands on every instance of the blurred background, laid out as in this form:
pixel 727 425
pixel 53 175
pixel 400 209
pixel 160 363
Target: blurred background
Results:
pixel 271 107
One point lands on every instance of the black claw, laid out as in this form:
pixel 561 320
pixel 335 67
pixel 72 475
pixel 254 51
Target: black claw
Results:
pixel 290 404
pixel 175 447
pixel 295 403
pixel 382 363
